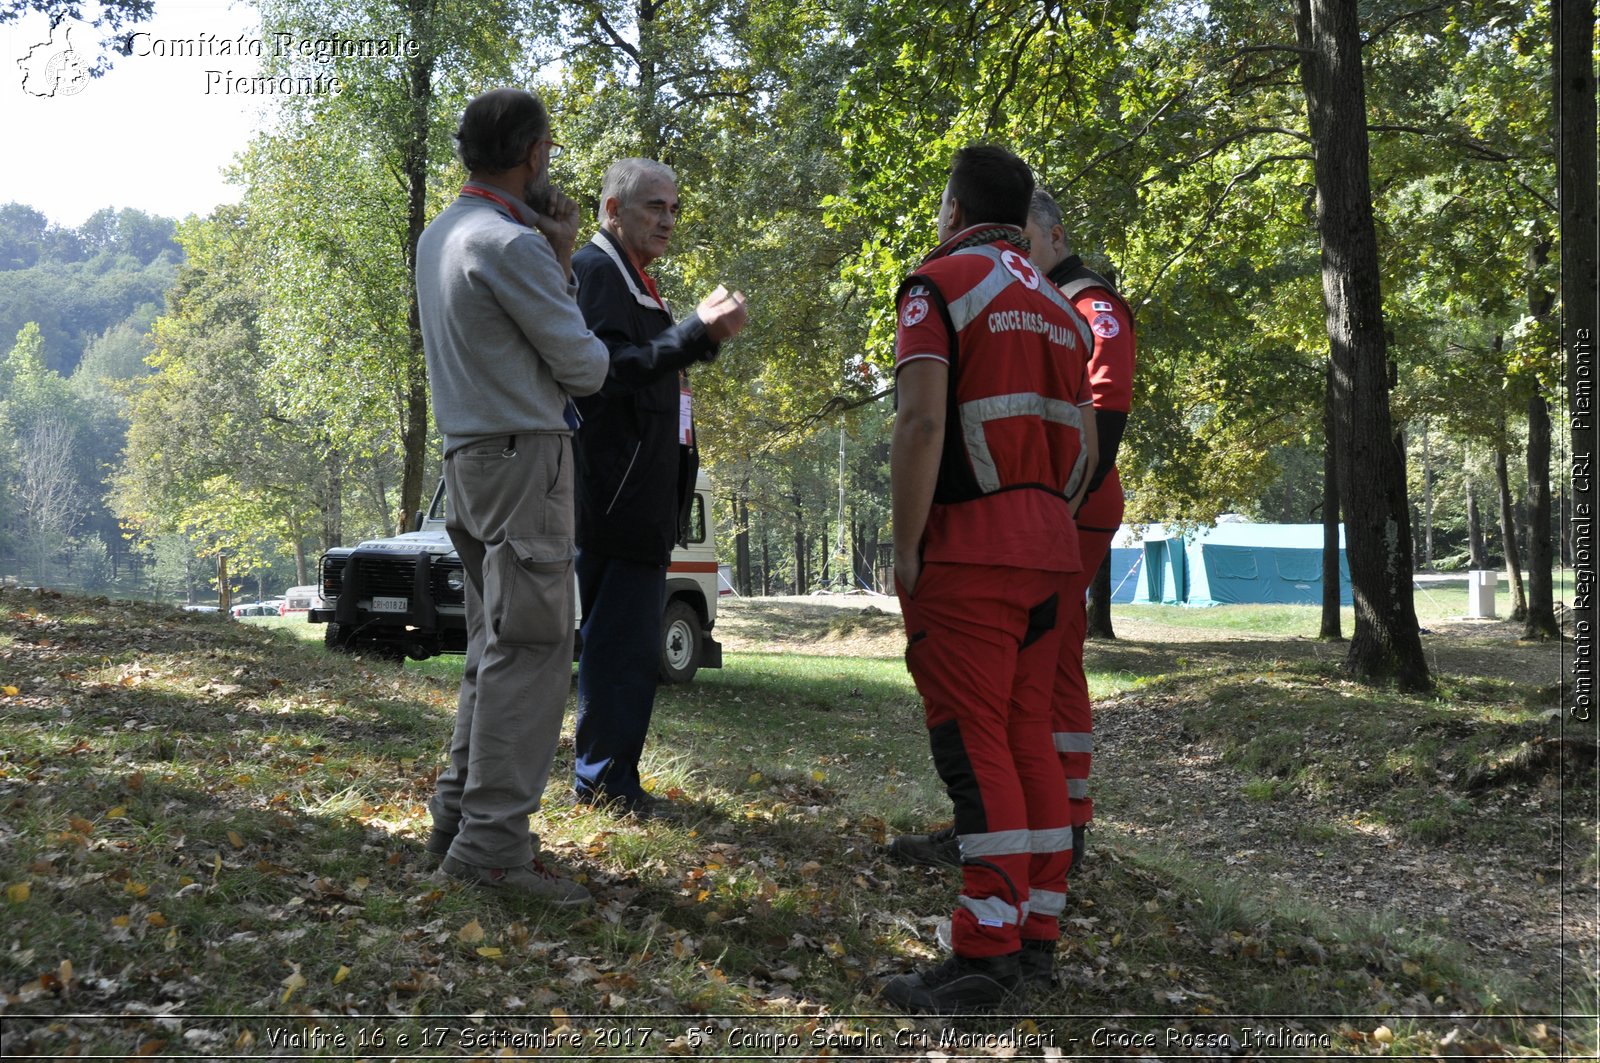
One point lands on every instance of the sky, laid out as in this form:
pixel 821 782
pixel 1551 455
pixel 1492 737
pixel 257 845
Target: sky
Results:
pixel 147 135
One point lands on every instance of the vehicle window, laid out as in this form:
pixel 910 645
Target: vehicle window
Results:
pixel 440 508
pixel 697 519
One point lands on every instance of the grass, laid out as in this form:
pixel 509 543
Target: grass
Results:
pixel 1435 601
pixel 219 819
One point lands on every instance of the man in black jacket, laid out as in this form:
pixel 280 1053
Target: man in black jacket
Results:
pixel 636 463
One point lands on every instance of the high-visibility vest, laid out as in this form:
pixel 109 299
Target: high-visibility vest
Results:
pixel 1017 361
pixel 1078 278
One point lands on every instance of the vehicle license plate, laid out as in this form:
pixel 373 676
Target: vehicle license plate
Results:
pixel 390 605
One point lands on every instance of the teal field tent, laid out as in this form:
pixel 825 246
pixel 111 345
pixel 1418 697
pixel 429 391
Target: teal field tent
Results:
pixel 1127 563
pixel 1235 563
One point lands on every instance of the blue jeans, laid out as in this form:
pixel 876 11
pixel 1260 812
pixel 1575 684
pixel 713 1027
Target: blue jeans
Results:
pixel 622 604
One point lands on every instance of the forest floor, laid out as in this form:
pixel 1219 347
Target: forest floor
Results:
pixel 1515 886
pixel 210 845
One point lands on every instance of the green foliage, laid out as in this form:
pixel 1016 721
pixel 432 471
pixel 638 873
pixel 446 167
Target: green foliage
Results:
pixel 248 478
pixel 343 185
pixel 739 101
pixel 78 283
pixel 811 143
pixel 45 453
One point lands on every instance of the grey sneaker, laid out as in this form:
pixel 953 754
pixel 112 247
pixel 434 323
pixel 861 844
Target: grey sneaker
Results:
pixel 940 849
pixel 532 879
pixel 437 846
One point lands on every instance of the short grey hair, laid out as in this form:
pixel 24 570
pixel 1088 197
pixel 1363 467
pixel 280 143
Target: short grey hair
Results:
pixel 624 177
pixel 1044 210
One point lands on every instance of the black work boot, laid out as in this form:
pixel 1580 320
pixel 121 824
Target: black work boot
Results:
pixel 1037 962
pixel 1080 842
pixel 959 985
pixel 940 849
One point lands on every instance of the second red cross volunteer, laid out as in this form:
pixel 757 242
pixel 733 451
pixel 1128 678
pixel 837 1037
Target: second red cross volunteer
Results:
pixel 1111 380
pixel 993 447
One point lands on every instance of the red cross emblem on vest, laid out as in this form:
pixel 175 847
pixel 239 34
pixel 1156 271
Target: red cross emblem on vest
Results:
pixel 1021 269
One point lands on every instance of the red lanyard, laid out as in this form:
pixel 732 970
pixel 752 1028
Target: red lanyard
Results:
pixel 481 193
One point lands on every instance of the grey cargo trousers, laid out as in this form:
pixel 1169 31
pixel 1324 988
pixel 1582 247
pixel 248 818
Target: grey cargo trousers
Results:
pixel 511 520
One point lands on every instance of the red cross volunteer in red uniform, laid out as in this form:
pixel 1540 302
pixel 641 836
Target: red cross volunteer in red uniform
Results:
pixel 1111 379
pixel 993 446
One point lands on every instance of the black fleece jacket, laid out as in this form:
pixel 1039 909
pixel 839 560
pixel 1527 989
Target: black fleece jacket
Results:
pixel 635 479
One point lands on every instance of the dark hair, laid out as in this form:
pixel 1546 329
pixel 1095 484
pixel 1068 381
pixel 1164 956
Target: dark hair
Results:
pixel 499 128
pixel 992 185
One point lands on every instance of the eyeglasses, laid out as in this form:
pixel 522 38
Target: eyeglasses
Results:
pixel 555 149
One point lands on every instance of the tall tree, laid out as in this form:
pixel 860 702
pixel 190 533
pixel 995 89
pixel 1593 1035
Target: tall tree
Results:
pixel 351 179
pixel 1580 263
pixel 1372 485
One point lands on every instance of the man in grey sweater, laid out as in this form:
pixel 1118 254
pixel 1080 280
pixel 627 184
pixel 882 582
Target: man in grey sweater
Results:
pixel 506 345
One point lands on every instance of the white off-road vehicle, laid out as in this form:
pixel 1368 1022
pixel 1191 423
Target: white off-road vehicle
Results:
pixel 405 596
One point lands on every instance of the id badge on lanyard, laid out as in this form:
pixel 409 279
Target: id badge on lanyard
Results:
pixel 685 412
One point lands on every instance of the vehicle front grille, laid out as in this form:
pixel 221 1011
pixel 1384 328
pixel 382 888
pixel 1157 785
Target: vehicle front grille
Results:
pixel 387 577
pixel 394 576
pixel 332 577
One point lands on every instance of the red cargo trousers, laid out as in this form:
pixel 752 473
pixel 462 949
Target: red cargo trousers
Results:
pixel 983 643
pixel 1072 722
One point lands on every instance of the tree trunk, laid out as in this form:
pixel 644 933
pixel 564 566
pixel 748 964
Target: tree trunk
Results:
pixel 1099 605
pixel 1508 537
pixel 378 492
pixel 1580 295
pixel 648 57
pixel 1541 623
pixel 1541 616
pixel 414 431
pixel 800 574
pixel 1564 510
pixel 1372 483
pixel 1427 498
pixel 1476 548
pixel 766 563
pixel 333 501
pixel 1332 580
pixel 741 538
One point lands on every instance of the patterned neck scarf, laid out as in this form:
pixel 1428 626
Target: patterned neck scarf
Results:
pixel 978 238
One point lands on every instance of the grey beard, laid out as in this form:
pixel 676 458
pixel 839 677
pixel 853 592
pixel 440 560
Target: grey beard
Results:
pixel 536 194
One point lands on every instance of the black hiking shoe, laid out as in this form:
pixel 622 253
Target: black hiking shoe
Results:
pixel 959 986
pixel 1037 962
pixel 940 849
pixel 1080 844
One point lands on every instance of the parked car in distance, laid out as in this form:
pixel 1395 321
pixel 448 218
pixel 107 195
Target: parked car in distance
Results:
pixel 271 607
pixel 405 596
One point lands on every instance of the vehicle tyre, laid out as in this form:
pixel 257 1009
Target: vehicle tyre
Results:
pixel 334 638
pixel 680 643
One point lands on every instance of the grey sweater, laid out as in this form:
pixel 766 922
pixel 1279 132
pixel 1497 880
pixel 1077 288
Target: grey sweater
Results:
pixel 504 339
